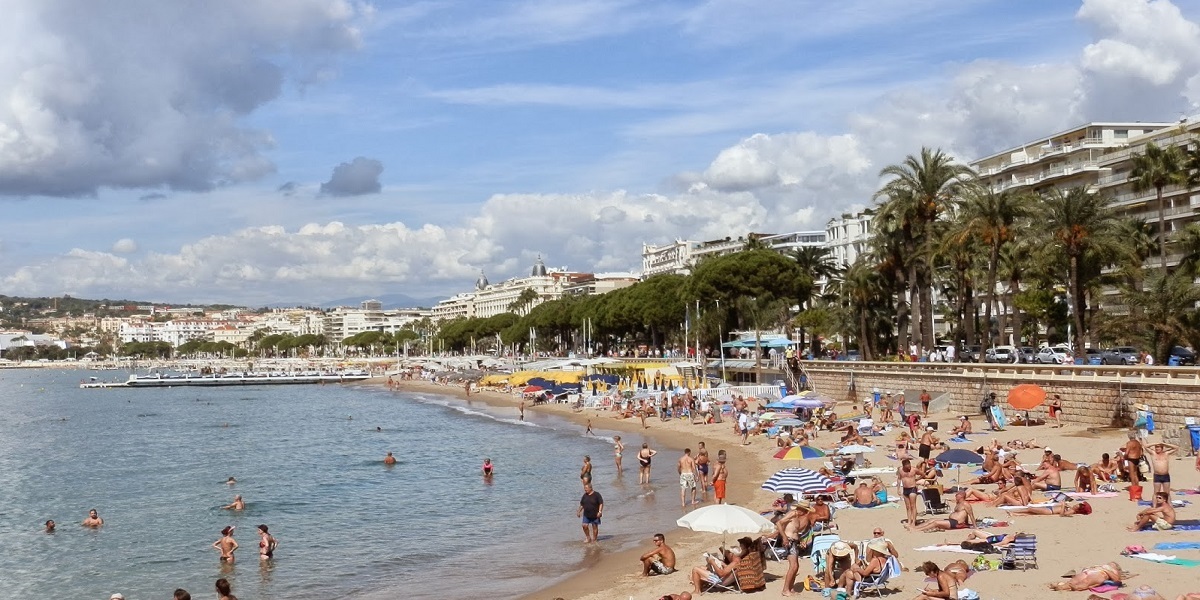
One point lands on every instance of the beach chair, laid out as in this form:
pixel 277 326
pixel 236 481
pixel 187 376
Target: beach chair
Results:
pixel 820 545
pixel 933 501
pixel 728 584
pixel 878 582
pixel 1023 552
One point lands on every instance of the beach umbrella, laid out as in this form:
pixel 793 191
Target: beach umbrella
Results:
pixel 799 453
pixel 795 480
pixel 781 406
pixel 808 403
pixel 855 449
pixel 789 422
pixel 1026 396
pixel 768 416
pixel 725 519
pixel 532 389
pixel 959 457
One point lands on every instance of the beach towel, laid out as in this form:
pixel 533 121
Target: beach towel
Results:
pixel 1177 546
pixel 1167 559
pixel 1108 587
pixel 1038 505
pixel 1188 525
pixel 1187 492
pixel 959 440
pixel 1091 495
pixel 947 548
pixel 1175 503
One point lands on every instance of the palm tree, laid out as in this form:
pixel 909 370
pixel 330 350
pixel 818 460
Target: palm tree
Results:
pixel 861 287
pixel 817 262
pixel 1166 310
pixel 991 217
pixel 1157 168
pixel 1081 222
pixel 919 190
pixel 893 251
pixel 1187 243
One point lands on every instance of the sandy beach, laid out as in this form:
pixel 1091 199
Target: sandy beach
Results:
pixel 1064 543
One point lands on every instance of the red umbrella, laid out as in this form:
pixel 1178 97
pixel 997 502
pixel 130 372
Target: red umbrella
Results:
pixel 532 389
pixel 1026 396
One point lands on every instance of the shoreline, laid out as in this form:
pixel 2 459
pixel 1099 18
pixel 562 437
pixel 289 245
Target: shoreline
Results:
pixel 618 573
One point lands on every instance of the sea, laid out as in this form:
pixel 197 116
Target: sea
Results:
pixel 308 461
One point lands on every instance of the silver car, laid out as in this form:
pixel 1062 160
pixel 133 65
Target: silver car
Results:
pixel 1001 354
pixel 1121 355
pixel 1053 356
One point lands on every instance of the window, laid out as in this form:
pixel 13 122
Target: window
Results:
pixel 1121 134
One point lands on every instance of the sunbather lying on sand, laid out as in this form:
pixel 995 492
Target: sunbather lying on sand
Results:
pixel 986 537
pixel 1066 509
pixel 960 518
pixel 958 569
pixel 1089 578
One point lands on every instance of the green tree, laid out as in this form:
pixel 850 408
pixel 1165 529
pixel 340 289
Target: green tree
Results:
pixel 918 191
pixel 1166 310
pixel 992 217
pixel 1081 223
pixel 1156 168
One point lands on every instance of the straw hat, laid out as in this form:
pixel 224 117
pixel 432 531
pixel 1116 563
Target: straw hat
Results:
pixel 803 504
pixel 879 546
pixel 840 549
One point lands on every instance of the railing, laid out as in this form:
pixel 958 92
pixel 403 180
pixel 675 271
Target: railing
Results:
pixel 751 391
pixel 1189 376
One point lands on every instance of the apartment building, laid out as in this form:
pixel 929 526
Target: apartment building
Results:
pixel 681 255
pixel 848 236
pixel 343 322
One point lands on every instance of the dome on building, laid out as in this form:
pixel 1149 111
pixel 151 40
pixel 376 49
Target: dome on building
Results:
pixel 539 268
pixel 482 282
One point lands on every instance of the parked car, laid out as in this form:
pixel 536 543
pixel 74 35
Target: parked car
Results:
pixel 1001 354
pixel 852 355
pixel 1093 356
pixel 1028 354
pixel 1121 355
pixel 1053 356
pixel 972 354
pixel 1186 357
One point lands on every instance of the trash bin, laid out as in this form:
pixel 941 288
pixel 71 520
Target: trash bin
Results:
pixel 1173 361
pixel 1194 433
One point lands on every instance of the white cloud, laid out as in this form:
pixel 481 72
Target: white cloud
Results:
pixel 124 246
pixel 767 182
pixel 129 95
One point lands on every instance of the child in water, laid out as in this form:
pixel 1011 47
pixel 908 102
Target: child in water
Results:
pixel 487 467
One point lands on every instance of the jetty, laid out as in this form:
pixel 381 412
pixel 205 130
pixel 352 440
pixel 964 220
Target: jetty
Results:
pixel 227 379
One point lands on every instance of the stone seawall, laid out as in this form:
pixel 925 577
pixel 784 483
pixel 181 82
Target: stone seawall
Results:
pixel 1091 396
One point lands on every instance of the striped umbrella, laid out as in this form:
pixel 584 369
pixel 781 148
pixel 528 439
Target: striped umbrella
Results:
pixel 799 453
pixel 796 480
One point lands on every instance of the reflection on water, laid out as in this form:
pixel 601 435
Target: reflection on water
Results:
pixel 154 462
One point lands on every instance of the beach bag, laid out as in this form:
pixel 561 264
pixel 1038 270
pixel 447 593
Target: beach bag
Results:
pixel 1133 549
pixel 968 594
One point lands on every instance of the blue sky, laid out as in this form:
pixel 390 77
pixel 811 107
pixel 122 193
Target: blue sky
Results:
pixel 144 156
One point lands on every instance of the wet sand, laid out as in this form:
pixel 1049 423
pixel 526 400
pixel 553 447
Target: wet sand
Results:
pixel 1063 543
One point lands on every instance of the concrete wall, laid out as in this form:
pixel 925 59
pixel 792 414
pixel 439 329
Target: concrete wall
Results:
pixel 1091 396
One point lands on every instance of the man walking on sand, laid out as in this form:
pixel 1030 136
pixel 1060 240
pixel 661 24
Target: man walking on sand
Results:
pixel 925 400
pixel 1160 460
pixel 1134 453
pixel 908 476
pixel 591 508
pixel 687 477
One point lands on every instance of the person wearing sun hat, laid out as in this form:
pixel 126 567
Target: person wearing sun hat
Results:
pixel 838 560
pixel 877 557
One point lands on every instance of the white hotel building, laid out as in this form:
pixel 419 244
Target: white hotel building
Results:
pixel 681 255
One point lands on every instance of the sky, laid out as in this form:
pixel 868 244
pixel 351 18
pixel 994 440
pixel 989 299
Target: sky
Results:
pixel 268 151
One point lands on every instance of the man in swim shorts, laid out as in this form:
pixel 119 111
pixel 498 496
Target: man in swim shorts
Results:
pixel 908 475
pixel 864 496
pixel 1160 463
pixel 720 475
pixel 591 509
pixel 1160 516
pixel 687 477
pixel 660 560
pixel 702 472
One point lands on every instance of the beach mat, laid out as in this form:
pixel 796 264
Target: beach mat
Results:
pixel 1177 546
pixel 1090 495
pixel 1167 559
pixel 947 548
pixel 1188 525
pixel 1037 505
pixel 1174 503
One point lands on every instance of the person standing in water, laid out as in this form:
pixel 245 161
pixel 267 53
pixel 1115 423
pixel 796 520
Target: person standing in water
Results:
pixel 266 543
pixel 226 545
pixel 522 409
pixel 237 504
pixel 702 473
pixel 589 428
pixel 389 459
pixel 585 471
pixel 687 477
pixel 618 448
pixel 644 457
pixel 720 476
pixel 93 520
pixel 488 468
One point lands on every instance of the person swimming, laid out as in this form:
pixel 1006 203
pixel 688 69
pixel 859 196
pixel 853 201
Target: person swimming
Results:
pixel 488 469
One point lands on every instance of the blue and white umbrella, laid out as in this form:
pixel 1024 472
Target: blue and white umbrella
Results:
pixel 795 480
pixel 789 422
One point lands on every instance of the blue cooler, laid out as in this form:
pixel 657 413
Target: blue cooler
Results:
pixel 1194 433
pixel 1173 361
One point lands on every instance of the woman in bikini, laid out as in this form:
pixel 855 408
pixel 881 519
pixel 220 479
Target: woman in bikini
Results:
pixel 644 456
pixel 618 447
pixel 1085 482
pixel 226 545
pixel 947 585
pixel 1089 578
pixel 266 543
pixel 1066 509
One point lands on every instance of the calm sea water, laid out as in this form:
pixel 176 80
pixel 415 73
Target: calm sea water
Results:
pixel 154 463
